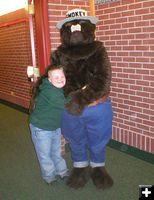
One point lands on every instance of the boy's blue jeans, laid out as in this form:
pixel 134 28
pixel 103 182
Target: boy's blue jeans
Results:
pixel 88 134
pixel 48 149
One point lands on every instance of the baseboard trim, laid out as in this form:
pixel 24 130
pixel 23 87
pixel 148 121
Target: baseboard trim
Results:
pixel 15 106
pixel 143 155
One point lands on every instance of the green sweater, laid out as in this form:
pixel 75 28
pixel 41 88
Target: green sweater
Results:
pixel 48 107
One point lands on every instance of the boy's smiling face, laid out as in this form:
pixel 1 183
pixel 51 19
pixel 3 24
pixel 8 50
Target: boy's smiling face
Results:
pixel 57 77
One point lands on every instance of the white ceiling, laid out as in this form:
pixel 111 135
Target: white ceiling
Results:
pixel 7 6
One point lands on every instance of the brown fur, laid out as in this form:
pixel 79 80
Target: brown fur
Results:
pixel 85 62
pixel 101 178
pixel 78 177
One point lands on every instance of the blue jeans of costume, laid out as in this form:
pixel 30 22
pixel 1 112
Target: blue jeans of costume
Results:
pixel 48 149
pixel 88 134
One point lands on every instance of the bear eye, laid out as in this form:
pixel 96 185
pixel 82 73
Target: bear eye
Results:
pixel 68 25
pixel 82 22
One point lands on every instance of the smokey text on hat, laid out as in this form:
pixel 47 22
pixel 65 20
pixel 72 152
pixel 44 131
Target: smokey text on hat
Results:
pixel 76 13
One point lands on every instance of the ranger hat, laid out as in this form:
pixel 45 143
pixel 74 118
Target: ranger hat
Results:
pixel 76 14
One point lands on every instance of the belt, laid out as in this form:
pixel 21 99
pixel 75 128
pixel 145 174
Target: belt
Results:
pixel 97 101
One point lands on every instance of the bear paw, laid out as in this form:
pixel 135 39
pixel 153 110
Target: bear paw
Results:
pixel 78 177
pixel 101 178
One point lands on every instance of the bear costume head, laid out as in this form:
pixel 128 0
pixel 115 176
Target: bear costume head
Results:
pixel 77 28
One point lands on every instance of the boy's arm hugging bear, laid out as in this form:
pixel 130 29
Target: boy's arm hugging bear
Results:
pixel 86 64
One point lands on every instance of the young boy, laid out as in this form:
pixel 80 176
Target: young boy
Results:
pixel 48 103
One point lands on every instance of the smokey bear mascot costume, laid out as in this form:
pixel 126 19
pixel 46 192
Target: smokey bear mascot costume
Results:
pixel 87 120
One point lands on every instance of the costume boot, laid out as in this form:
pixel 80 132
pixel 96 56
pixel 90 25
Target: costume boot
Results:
pixel 78 177
pixel 101 178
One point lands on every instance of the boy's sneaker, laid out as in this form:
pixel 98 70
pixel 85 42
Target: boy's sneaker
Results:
pixel 50 182
pixel 65 176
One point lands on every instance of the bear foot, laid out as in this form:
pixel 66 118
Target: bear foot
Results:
pixel 78 177
pixel 101 178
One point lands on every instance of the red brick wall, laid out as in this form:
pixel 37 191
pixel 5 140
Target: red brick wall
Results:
pixel 127 30
pixel 15 56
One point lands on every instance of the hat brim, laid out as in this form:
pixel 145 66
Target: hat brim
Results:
pixel 92 19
